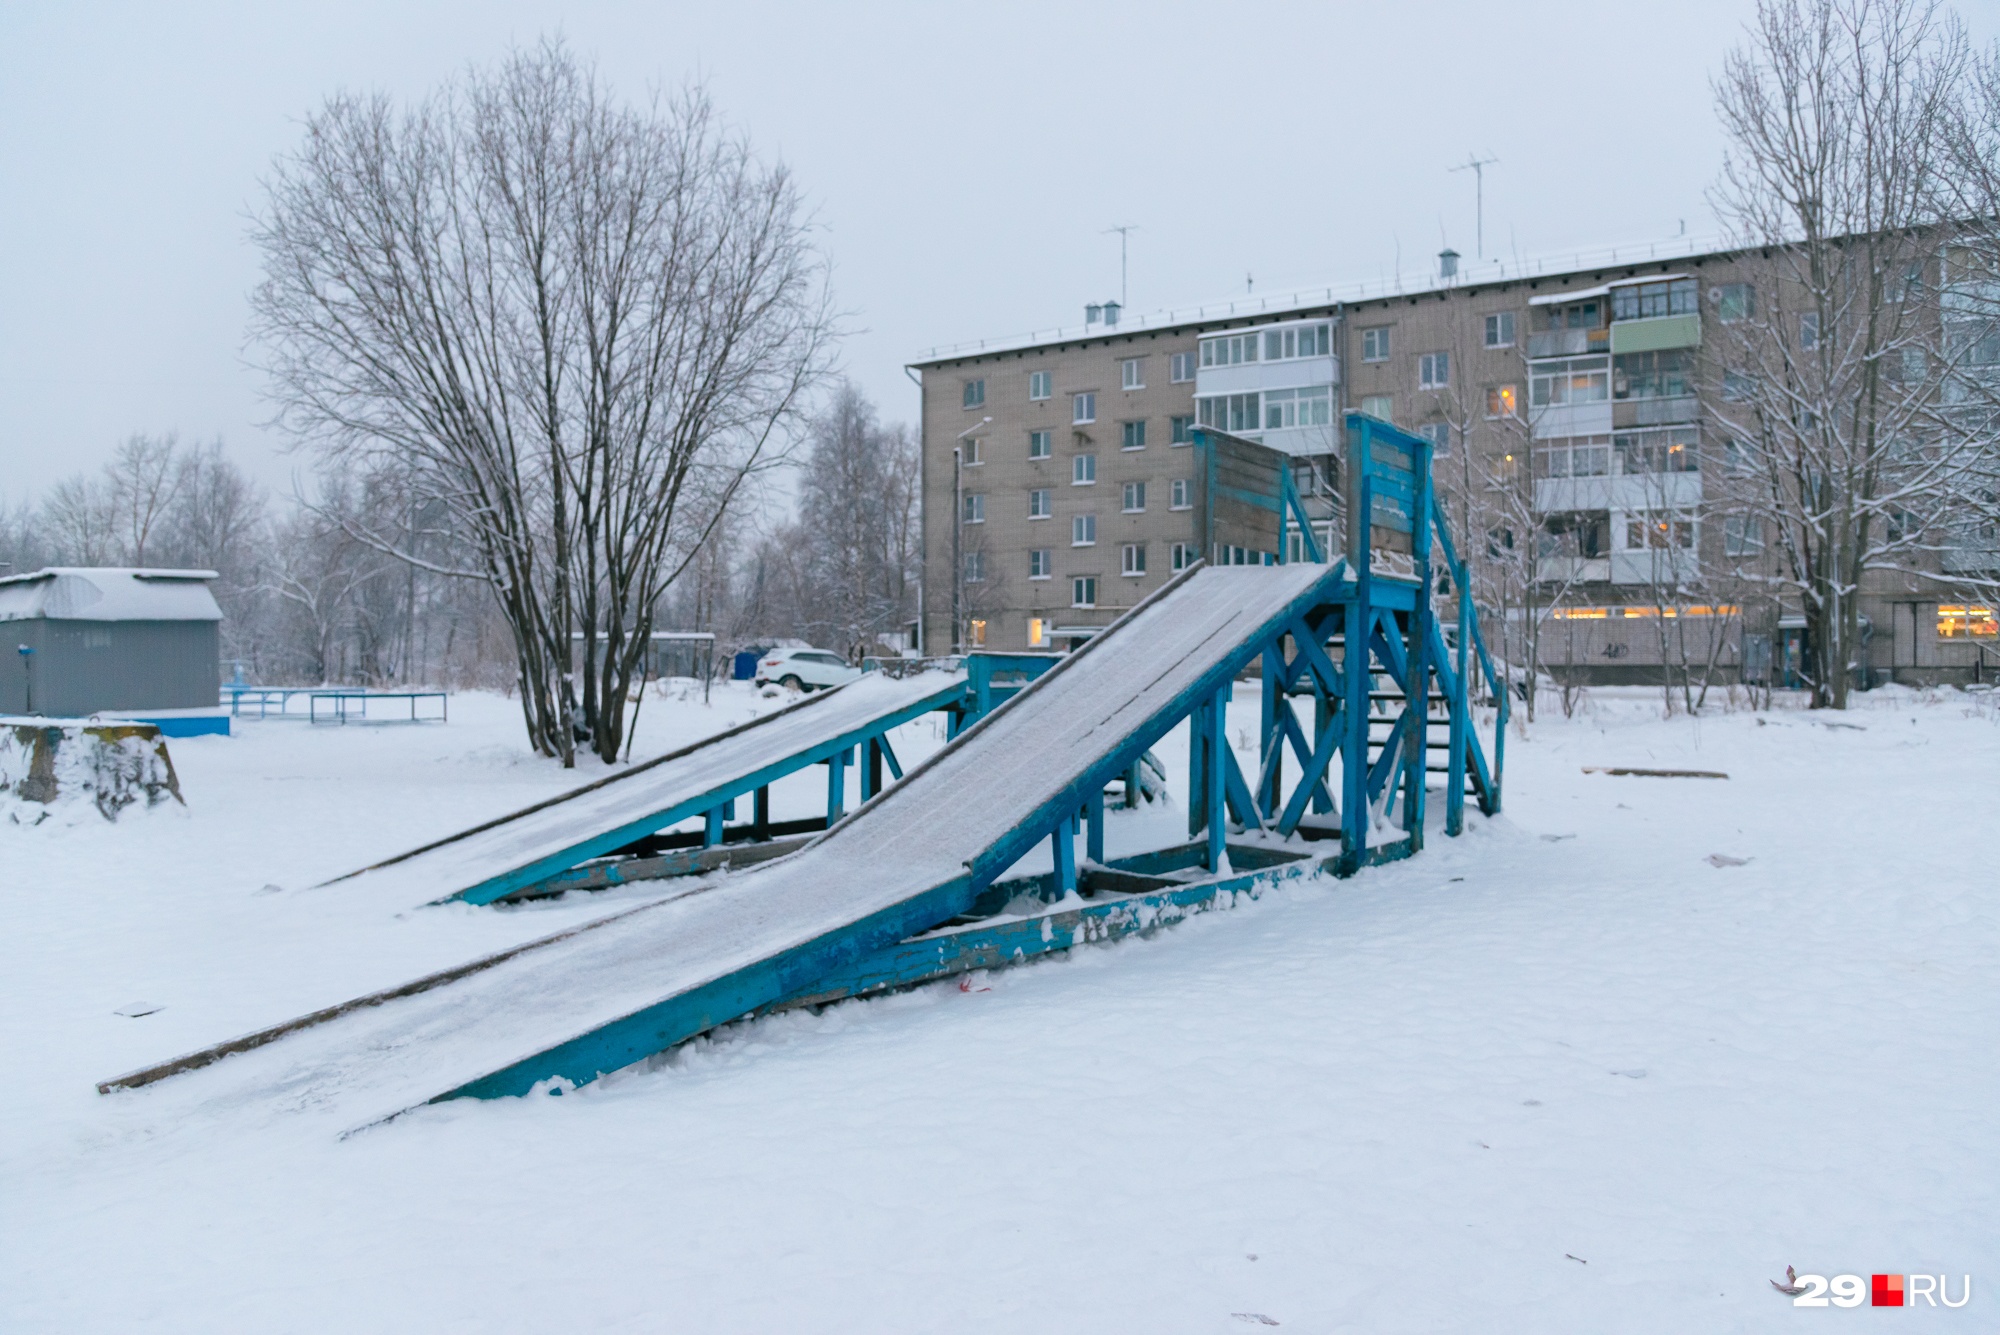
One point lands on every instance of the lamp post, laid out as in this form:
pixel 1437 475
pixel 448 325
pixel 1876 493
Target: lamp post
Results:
pixel 958 535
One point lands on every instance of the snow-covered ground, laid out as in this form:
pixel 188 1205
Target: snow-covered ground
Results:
pixel 1564 1073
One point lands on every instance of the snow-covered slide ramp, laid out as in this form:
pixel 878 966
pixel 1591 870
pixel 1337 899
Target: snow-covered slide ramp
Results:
pixel 600 999
pixel 526 848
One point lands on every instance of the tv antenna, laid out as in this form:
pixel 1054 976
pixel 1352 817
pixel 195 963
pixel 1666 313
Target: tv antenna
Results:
pixel 1477 166
pixel 1123 230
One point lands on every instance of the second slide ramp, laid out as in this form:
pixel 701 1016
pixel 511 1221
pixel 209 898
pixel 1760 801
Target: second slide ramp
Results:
pixel 607 997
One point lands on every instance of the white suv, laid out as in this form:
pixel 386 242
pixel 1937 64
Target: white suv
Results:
pixel 804 669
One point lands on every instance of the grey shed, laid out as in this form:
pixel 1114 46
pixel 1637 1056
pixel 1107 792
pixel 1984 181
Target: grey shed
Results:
pixel 103 638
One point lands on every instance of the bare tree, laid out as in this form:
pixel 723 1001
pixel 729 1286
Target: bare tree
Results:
pixel 577 325
pixel 1837 113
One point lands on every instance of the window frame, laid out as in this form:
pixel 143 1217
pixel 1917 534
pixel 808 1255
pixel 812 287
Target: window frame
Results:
pixel 1083 592
pixel 1083 408
pixel 1180 556
pixel 1131 373
pixel 1083 530
pixel 1045 381
pixel 1504 325
pixel 973 570
pixel 1042 558
pixel 972 507
pixel 1508 395
pixel 1083 470
pixel 1181 367
pixel 1046 440
pixel 1375 343
pixel 1129 491
pixel 1434 370
pixel 1130 428
pixel 1132 560
pixel 1039 504
pixel 972 394
pixel 1183 488
pixel 1180 429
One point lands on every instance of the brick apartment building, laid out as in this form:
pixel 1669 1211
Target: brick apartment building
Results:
pixel 1577 427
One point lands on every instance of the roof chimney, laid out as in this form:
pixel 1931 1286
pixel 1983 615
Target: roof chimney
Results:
pixel 1092 313
pixel 1111 309
pixel 1447 263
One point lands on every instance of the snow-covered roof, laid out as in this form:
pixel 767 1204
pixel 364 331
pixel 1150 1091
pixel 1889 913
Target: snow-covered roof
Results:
pixel 109 593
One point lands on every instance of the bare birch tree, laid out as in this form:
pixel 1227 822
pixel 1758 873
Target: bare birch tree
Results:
pixel 579 326
pixel 1837 113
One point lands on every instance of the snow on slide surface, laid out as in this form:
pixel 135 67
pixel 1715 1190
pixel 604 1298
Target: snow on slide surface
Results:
pixel 610 804
pixel 380 1061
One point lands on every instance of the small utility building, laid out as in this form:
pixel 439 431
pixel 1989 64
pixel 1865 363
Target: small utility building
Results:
pixel 83 640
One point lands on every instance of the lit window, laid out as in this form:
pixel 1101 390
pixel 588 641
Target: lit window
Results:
pixel 975 393
pixel 1083 409
pixel 1040 384
pixel 1083 470
pixel 1673 450
pixel 1962 623
pixel 1503 401
pixel 1038 632
pixel 1083 591
pixel 1039 444
pixel 1132 559
pixel 1132 373
pixel 1735 301
pixel 1132 435
pixel 1375 345
pixel 1182 430
pixel 975 634
pixel 1180 367
pixel 1039 564
pixel 1181 497
pixel 1181 556
pixel 1379 405
pixel 1660 531
pixel 1083 531
pixel 975 508
pixel 1434 370
pixel 975 567
pixel 1553 384
pixel 1135 497
pixel 1500 330
pixel 1038 503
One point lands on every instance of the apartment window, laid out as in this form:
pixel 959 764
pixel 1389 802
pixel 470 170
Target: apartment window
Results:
pixel 975 393
pixel 1180 367
pixel 1083 409
pixel 1739 458
pixel 1083 531
pixel 1380 405
pixel 1181 430
pixel 975 567
pixel 1041 563
pixel 1809 331
pixel 1555 383
pixel 1135 497
pixel 1083 470
pixel 1132 373
pixel 1660 530
pixel 1434 370
pixel 1646 301
pixel 1038 632
pixel 1298 407
pixel 1180 556
pixel 974 508
pixel 970 454
pixel 1313 340
pixel 1500 330
pixel 1038 503
pixel 1132 435
pixel 1439 435
pixel 1229 412
pixel 1670 451
pixel 1180 494
pixel 1964 623
pixel 1040 444
pixel 1667 374
pixel 1742 535
pixel 1738 388
pixel 1735 301
pixel 1573 456
pixel 1503 401
pixel 1230 350
pixel 975 634
pixel 1582 315
pixel 1041 385
pixel 1375 344
pixel 1083 591
pixel 1132 559
pixel 1585 535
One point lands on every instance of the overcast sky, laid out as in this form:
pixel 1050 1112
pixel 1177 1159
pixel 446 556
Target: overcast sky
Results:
pixel 964 160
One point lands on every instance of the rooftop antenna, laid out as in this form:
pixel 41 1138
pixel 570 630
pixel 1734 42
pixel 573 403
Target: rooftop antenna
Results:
pixel 1123 230
pixel 1249 283
pixel 1477 166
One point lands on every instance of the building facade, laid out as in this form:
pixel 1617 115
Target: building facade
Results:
pixel 1585 443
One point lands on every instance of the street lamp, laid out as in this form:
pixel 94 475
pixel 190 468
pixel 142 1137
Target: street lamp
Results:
pixel 958 535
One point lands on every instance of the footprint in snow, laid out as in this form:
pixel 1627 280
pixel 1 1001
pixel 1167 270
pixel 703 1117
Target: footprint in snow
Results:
pixel 1636 1073
pixel 1724 860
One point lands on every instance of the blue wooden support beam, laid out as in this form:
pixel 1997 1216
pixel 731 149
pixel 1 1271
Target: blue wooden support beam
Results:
pixel 1063 845
pixel 1456 701
pixel 711 828
pixel 1093 813
pixel 1420 632
pixel 836 785
pixel 1215 745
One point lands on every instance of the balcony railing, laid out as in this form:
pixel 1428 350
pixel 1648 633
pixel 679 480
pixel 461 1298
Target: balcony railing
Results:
pixel 1568 342
pixel 1664 412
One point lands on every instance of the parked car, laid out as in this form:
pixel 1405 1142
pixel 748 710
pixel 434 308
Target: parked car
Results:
pixel 804 669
